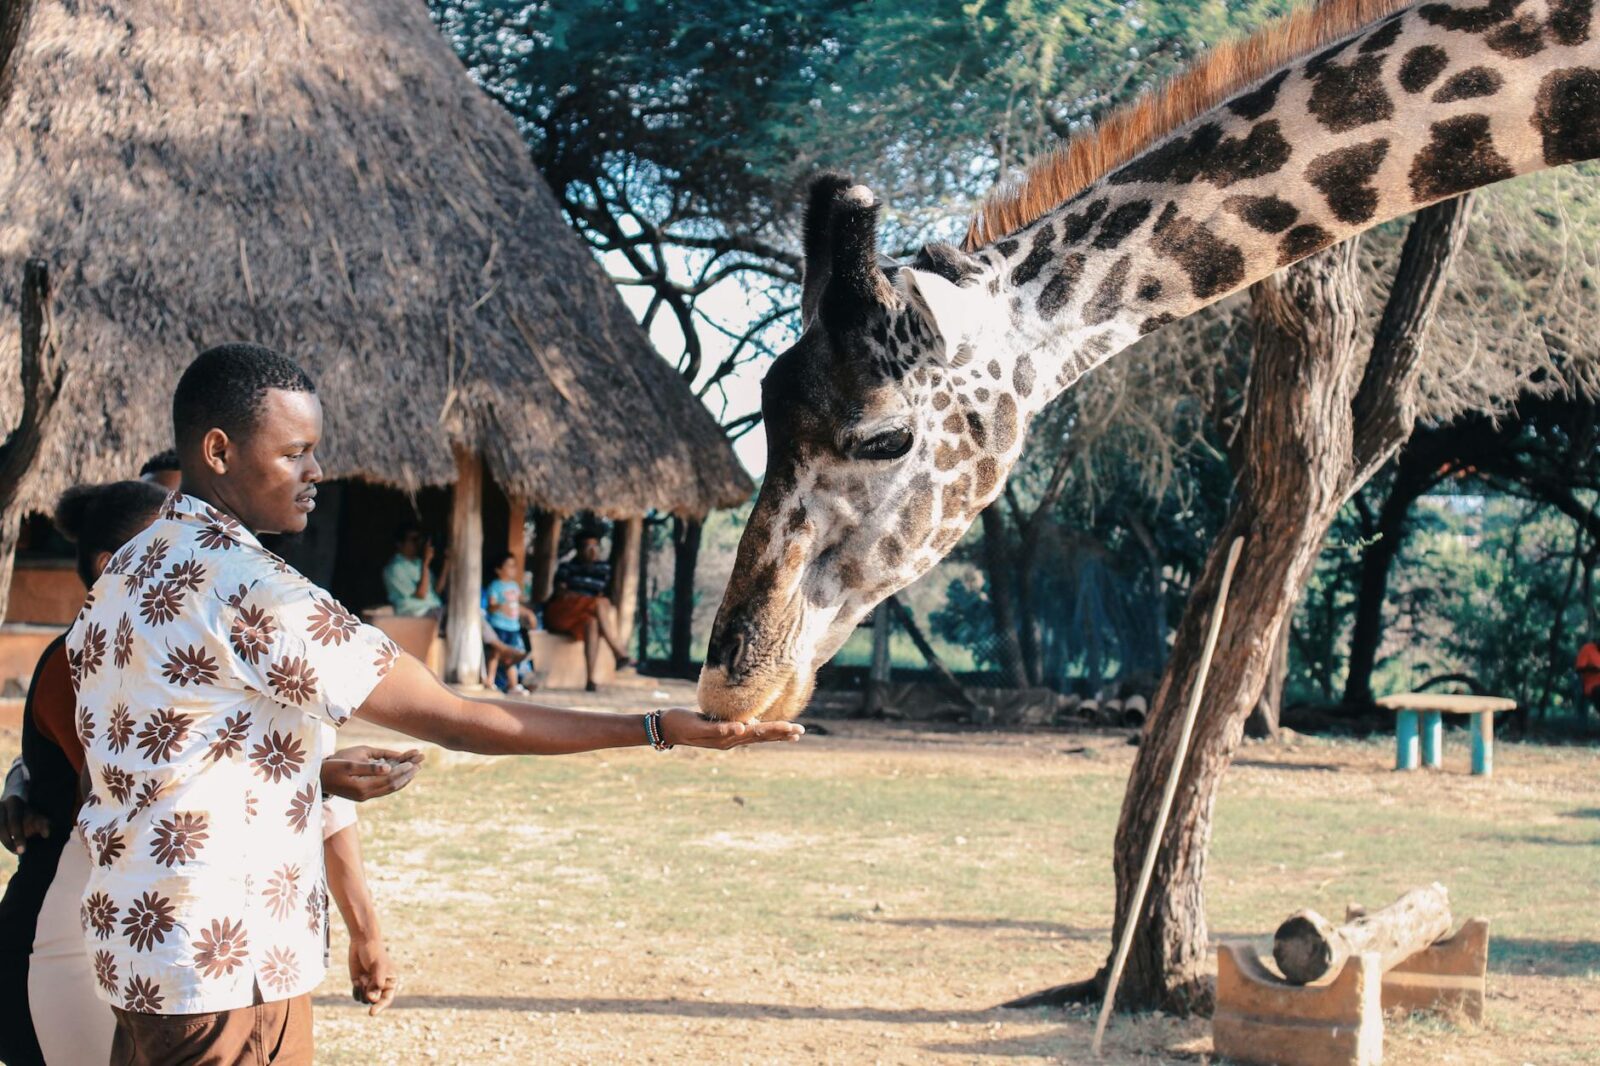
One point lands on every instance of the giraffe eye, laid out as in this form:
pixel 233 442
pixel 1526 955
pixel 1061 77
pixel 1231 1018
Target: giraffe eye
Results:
pixel 890 444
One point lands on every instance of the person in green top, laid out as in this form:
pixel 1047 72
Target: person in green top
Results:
pixel 408 578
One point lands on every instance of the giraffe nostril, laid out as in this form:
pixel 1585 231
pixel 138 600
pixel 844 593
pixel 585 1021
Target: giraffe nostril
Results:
pixel 734 660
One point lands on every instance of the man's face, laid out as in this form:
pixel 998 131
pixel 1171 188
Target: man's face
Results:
pixel 410 544
pixel 589 550
pixel 272 473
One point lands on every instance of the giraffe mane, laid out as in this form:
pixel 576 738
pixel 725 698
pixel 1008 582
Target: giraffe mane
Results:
pixel 1057 176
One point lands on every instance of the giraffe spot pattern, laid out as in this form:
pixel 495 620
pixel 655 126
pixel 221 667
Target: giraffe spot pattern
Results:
pixel 1469 84
pixel 975 426
pixel 994 369
pixel 1022 377
pixel 1107 296
pixel 1319 62
pixel 1518 39
pixel 1421 66
pixel 916 524
pixel 1469 19
pixel 1345 97
pixel 1265 213
pixel 981 395
pixel 1121 222
pixel 953 500
pixel 1008 247
pixel 1460 156
pixel 1212 265
pixel 1206 155
pixel 1567 115
pixel 1149 288
pixel 1038 256
pixel 988 474
pixel 1059 290
pixel 1382 37
pixel 1005 423
pixel 1076 225
pixel 1258 101
pixel 1570 21
pixel 891 549
pixel 1302 241
pixel 1344 178
pixel 1155 322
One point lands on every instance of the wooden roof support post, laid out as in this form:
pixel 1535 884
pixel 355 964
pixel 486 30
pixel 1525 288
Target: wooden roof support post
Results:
pixel 627 535
pixel 464 629
pixel 517 531
pixel 43 374
pixel 546 550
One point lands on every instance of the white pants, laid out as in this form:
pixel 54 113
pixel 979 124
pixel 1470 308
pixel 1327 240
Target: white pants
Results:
pixel 73 1023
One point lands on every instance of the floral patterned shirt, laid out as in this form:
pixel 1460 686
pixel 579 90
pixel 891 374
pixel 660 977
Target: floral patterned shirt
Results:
pixel 205 668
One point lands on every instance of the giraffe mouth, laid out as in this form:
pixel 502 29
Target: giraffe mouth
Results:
pixel 774 698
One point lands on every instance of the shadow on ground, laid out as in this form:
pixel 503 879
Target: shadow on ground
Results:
pixel 1545 958
pixel 1052 929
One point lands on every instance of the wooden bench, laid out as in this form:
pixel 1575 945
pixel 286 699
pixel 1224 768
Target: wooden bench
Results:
pixel 1409 707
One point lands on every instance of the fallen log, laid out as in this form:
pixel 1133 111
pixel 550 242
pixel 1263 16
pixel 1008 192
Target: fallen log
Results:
pixel 1307 946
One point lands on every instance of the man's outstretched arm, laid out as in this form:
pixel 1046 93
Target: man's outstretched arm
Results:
pixel 411 700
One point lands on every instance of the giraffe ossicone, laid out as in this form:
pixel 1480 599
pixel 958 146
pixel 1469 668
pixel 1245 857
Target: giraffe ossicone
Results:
pixel 897 415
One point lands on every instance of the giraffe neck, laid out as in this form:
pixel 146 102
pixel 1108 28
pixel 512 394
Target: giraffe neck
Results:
pixel 1426 104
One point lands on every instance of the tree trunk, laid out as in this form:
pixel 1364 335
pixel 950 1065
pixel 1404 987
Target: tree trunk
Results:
pixel 626 536
pixel 517 532
pixel 685 557
pixel 875 699
pixel 1027 611
pixel 998 561
pixel 1295 461
pixel 546 550
pixel 1268 711
pixel 43 375
pixel 902 614
pixel 1308 443
pixel 13 22
pixel 464 625
pixel 1377 560
pixel 647 539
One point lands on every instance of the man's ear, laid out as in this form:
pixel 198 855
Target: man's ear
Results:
pixel 956 312
pixel 215 450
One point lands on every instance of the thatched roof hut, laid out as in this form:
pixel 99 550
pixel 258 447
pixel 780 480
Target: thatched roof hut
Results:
pixel 323 177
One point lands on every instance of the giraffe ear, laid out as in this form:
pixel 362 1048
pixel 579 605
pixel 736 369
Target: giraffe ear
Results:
pixel 818 230
pixel 955 311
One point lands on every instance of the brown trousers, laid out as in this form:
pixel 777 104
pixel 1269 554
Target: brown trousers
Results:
pixel 268 1034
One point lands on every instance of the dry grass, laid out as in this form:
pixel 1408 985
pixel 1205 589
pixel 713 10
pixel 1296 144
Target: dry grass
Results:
pixel 870 895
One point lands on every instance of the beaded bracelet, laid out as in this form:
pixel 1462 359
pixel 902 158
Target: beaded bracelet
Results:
pixel 653 733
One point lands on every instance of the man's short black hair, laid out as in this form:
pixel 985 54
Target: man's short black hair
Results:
pixel 405 529
pixel 160 463
pixel 225 387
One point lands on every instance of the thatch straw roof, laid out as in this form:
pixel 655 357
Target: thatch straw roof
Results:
pixel 323 177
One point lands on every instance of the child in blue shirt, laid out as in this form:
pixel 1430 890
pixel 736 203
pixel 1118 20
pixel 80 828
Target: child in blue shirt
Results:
pixel 506 617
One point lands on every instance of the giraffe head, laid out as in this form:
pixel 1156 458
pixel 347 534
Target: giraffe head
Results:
pixel 890 424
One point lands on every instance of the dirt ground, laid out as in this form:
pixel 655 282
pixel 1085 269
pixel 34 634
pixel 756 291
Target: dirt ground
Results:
pixel 871 894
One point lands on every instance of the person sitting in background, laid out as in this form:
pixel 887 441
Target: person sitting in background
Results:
pixel 408 577
pixel 506 615
pixel 161 469
pixel 577 607
pixel 1588 668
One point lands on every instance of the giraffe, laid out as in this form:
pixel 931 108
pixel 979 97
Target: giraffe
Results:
pixel 896 416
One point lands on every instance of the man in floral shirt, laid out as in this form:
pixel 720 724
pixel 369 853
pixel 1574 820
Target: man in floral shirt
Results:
pixel 205 667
